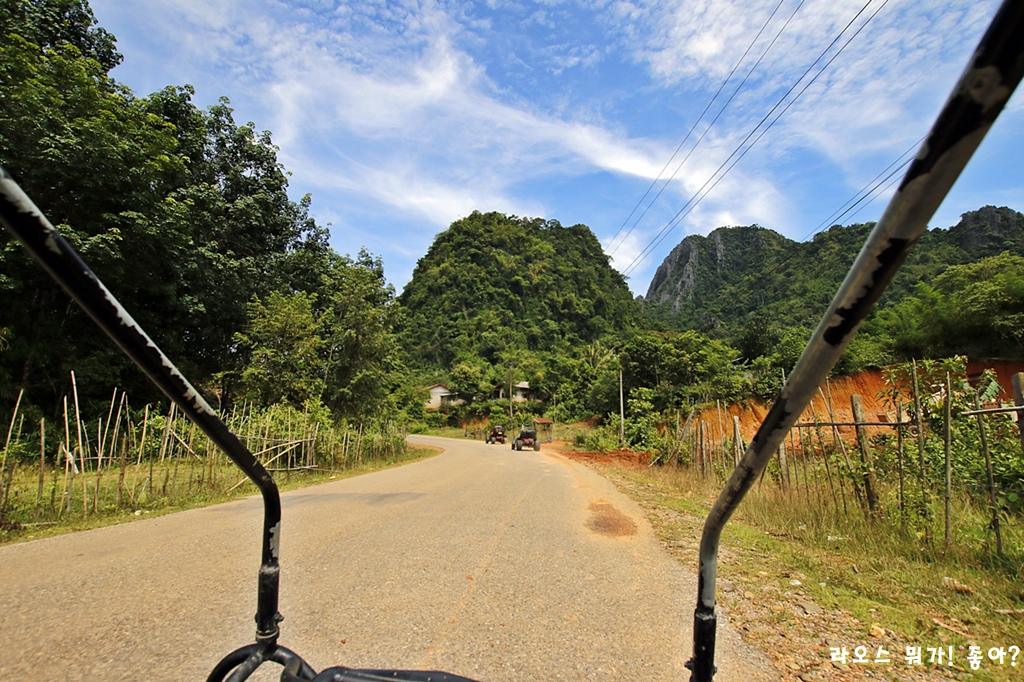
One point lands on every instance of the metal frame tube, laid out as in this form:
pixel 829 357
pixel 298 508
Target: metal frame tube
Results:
pixel 28 224
pixel 993 73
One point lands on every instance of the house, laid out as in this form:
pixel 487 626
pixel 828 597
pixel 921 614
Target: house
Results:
pixel 438 395
pixel 521 392
pixel 441 396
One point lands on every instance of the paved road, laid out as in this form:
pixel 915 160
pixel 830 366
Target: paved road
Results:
pixel 489 563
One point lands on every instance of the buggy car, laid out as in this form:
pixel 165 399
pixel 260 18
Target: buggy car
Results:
pixel 527 438
pixel 496 435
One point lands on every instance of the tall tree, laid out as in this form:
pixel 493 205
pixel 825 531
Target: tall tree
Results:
pixel 285 350
pixel 181 211
pixel 53 23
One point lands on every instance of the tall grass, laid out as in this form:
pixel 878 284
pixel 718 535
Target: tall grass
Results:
pixel 74 470
pixel 818 521
pixel 817 486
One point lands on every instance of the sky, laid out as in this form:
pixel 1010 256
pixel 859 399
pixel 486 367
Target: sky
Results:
pixel 402 117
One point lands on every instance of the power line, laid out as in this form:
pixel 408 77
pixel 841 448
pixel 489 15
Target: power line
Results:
pixel 862 194
pixel 717 116
pixel 840 212
pixel 882 191
pixel 698 196
pixel 690 132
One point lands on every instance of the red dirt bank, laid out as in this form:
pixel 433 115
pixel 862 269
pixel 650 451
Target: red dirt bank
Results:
pixel 868 384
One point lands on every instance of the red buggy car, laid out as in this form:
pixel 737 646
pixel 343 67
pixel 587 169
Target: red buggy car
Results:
pixel 496 435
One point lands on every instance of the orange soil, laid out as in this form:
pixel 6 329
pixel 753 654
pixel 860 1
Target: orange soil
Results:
pixel 626 457
pixel 867 384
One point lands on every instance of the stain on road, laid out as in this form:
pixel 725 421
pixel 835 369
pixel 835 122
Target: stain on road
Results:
pixel 607 520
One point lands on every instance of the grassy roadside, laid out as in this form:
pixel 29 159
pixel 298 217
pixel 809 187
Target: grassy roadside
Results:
pixel 796 594
pixel 451 432
pixel 110 516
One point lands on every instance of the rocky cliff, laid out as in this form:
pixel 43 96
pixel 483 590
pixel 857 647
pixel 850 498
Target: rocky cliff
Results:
pixel 720 283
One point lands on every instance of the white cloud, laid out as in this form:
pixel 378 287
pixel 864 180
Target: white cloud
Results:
pixel 878 93
pixel 387 102
pixel 402 99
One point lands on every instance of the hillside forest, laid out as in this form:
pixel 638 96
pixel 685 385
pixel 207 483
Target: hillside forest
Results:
pixel 184 213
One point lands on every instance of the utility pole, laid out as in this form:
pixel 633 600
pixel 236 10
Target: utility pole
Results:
pixel 622 414
pixel 511 419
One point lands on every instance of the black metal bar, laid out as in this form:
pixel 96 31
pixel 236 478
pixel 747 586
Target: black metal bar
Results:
pixel 343 674
pixel 993 73
pixel 241 663
pixel 27 223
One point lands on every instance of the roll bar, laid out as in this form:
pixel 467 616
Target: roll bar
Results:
pixel 986 85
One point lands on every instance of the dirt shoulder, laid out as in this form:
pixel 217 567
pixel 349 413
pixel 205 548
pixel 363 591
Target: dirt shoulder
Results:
pixel 788 603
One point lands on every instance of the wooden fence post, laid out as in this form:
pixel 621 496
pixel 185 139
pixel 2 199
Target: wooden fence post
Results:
pixel 359 446
pixel 737 441
pixel 923 478
pixel 824 456
pixel 899 456
pixel 870 485
pixel 947 443
pixel 991 482
pixel 42 468
pixel 4 484
pixel 1018 400
pixel 687 428
pixel 837 438
pixel 702 454
pixel 783 469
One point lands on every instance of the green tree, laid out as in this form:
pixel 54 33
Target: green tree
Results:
pixel 93 159
pixel 181 212
pixel 286 352
pixel 683 368
pixel 365 368
pixel 54 23
pixel 975 309
pixel 641 427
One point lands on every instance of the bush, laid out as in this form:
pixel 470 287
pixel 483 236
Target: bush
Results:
pixel 641 428
pixel 601 439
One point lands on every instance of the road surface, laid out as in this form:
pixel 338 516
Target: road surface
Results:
pixel 482 561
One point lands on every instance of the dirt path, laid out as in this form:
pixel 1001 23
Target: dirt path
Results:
pixel 489 563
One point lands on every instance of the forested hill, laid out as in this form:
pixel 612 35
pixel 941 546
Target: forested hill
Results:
pixel 724 282
pixel 492 284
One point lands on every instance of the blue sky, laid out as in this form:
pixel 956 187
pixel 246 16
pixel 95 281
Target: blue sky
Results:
pixel 401 117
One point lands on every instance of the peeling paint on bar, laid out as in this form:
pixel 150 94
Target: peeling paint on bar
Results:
pixel 852 315
pixel 275 540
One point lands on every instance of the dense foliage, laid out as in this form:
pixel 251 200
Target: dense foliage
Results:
pixel 498 300
pixel 185 214
pixel 975 309
pixel 766 293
